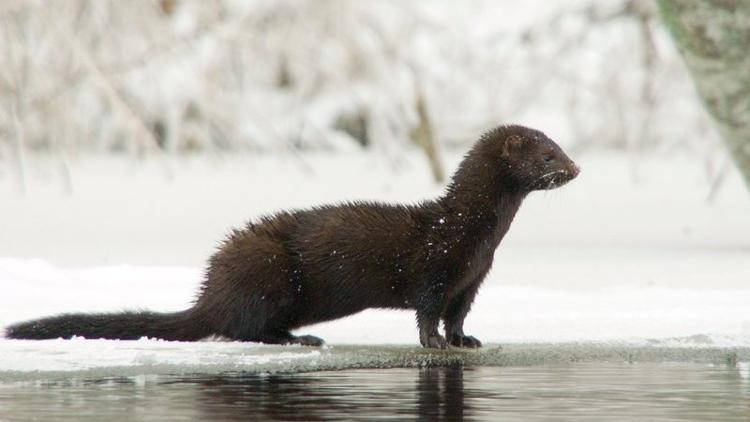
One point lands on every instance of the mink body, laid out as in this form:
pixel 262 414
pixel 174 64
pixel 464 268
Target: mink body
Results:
pixel 298 268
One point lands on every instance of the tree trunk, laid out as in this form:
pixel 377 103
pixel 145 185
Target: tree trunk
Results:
pixel 714 39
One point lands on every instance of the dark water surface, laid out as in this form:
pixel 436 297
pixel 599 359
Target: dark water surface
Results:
pixel 587 391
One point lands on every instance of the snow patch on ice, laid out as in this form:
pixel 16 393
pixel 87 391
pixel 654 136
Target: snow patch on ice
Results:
pixel 79 354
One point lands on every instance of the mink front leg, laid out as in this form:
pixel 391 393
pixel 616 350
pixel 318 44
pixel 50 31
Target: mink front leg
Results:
pixel 454 317
pixel 428 305
pixel 428 321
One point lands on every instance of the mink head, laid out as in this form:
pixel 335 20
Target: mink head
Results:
pixel 525 159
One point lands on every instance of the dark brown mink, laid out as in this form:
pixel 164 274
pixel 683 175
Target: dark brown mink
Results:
pixel 297 268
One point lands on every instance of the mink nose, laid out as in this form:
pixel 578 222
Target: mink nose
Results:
pixel 574 169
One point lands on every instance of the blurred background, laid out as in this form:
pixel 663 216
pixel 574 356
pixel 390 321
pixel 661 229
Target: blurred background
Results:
pixel 135 134
pixel 180 77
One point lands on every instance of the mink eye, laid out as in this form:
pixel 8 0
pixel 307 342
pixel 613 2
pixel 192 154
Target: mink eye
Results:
pixel 548 158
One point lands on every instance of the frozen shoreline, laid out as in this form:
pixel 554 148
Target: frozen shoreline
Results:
pixel 61 359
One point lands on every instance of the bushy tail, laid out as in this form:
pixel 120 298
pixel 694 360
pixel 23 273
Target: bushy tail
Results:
pixel 181 326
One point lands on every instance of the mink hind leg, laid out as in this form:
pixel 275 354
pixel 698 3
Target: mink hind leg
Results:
pixel 251 293
pixel 454 316
pixel 281 314
pixel 282 318
pixel 285 337
pixel 268 322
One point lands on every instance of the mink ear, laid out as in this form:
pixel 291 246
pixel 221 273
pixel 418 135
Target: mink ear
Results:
pixel 511 144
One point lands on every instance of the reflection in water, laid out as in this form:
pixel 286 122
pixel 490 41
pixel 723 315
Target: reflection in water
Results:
pixel 441 392
pixel 436 394
pixel 601 391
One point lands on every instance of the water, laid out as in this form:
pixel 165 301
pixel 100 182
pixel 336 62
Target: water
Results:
pixel 587 391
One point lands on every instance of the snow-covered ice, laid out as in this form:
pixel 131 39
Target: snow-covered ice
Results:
pixel 605 259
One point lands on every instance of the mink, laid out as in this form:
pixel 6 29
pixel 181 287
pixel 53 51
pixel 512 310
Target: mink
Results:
pixel 296 268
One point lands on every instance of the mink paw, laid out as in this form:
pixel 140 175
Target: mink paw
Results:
pixel 307 341
pixel 465 341
pixel 435 341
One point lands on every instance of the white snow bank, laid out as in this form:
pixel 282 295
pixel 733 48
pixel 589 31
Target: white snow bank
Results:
pixel 501 314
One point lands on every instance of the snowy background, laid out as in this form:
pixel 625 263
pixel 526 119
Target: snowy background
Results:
pixel 132 138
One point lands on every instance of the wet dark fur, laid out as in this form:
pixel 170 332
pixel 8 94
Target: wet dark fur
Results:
pixel 297 268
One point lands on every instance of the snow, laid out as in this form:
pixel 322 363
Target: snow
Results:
pixel 66 355
pixel 606 259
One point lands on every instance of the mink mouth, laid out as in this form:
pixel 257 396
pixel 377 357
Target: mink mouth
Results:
pixel 554 179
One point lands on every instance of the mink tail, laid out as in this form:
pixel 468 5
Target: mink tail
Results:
pixel 178 326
